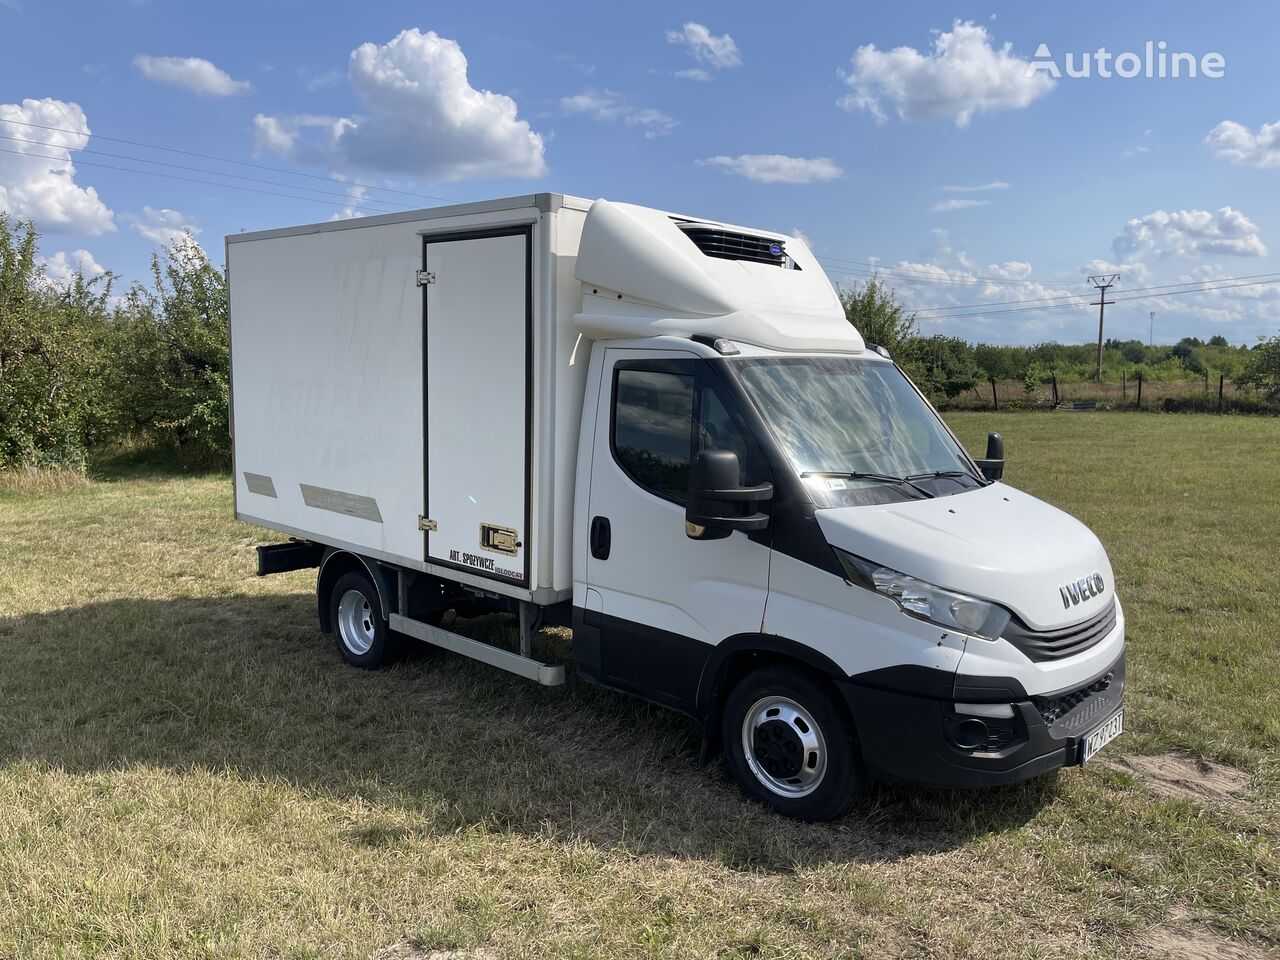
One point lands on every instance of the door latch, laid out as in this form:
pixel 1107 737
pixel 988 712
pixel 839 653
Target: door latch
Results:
pixel 425 277
pixel 428 526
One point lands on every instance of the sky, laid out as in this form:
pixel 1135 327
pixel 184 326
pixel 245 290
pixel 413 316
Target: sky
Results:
pixel 981 159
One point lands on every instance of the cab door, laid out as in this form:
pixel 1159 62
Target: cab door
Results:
pixel 664 600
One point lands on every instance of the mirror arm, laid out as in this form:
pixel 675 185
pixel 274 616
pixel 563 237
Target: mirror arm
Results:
pixel 761 491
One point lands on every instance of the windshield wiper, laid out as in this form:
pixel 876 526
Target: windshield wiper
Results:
pixel 882 477
pixel 945 475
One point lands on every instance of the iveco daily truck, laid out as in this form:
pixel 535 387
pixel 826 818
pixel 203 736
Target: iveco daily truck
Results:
pixel 661 430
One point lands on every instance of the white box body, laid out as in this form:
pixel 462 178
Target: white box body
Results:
pixel 415 366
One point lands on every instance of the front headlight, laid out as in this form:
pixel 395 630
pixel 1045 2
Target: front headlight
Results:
pixel 917 598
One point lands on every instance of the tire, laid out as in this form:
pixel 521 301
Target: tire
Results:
pixel 359 628
pixel 790 744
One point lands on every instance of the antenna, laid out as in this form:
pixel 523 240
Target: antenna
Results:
pixel 1151 334
pixel 1102 283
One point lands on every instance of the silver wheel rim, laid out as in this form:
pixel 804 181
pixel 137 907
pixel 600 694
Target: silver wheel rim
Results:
pixel 355 622
pixel 784 747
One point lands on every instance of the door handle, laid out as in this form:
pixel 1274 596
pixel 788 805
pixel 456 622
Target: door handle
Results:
pixel 601 538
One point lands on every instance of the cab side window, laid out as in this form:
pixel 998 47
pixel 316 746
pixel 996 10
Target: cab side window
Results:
pixel 652 429
pixel 717 431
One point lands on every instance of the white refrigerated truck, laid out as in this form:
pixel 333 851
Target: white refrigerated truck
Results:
pixel 661 430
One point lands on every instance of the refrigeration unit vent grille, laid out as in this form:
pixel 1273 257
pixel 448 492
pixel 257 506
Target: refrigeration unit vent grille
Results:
pixel 730 245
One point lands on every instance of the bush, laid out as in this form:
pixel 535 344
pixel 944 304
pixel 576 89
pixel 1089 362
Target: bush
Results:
pixel 1263 371
pixel 173 379
pixel 53 402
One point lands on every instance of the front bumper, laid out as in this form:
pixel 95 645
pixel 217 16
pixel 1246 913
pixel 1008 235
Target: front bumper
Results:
pixel 909 736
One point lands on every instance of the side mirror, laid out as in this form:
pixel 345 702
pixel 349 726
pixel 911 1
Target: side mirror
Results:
pixel 717 504
pixel 992 466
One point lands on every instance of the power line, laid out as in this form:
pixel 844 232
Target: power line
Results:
pixel 207 156
pixel 942 311
pixel 391 205
pixel 1118 299
pixel 1102 284
pixel 921 274
pixel 355 204
pixel 1161 286
pixel 967 280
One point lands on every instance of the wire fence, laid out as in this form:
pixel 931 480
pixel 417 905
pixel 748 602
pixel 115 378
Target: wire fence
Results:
pixel 1214 394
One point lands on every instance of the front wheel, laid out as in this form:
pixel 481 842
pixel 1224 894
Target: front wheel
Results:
pixel 789 744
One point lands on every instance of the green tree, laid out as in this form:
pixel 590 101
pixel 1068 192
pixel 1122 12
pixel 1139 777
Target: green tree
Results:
pixel 1263 371
pixel 873 308
pixel 173 377
pixel 52 355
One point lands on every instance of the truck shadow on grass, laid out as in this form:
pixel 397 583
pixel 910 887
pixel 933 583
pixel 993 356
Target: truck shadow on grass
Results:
pixel 247 684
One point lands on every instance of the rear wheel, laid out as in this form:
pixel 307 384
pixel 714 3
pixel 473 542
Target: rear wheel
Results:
pixel 789 744
pixel 355 610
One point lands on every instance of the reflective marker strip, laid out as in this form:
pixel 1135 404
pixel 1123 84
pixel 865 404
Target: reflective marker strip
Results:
pixel 350 504
pixel 260 484
pixel 993 710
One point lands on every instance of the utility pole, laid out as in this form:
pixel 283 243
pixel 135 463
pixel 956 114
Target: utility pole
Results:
pixel 1151 335
pixel 1102 284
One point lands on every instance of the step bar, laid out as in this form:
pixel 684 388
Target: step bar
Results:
pixel 547 674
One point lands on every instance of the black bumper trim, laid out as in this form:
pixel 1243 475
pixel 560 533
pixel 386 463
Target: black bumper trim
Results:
pixel 903 738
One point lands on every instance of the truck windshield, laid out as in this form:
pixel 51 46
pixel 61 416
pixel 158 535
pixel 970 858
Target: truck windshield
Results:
pixel 855 430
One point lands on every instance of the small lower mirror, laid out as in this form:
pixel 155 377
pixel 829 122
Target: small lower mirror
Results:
pixel 992 465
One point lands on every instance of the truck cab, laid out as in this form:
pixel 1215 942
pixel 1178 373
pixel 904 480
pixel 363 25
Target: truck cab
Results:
pixel 795 549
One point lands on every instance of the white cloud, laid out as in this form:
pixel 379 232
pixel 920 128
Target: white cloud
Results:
pixel 1189 233
pixel 961 76
pixel 320 81
pixel 190 73
pixel 349 211
pixel 693 73
pixel 947 279
pixel 421 117
pixel 802 237
pixel 608 106
pixel 37 180
pixel 777 168
pixel 705 47
pixel 1241 145
pixel 954 295
pixel 164 227
pixel 956 203
pixel 61 268
pixel 288 137
pixel 1134 273
pixel 978 188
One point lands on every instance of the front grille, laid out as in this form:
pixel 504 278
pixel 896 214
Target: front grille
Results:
pixel 727 245
pixel 1042 645
pixel 1053 709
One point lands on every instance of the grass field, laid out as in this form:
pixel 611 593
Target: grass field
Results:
pixel 187 769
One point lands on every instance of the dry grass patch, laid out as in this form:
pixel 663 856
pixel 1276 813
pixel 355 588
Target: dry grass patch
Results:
pixel 1189 943
pixel 1192 778
pixel 188 770
pixel 33 480
pixel 414 951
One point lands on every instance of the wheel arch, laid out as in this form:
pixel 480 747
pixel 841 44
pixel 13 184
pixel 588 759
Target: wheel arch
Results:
pixel 741 654
pixel 334 564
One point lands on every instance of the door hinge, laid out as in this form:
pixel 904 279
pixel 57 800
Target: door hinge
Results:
pixel 425 277
pixel 426 525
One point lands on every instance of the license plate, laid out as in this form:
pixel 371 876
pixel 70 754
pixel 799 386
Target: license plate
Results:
pixel 1100 737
